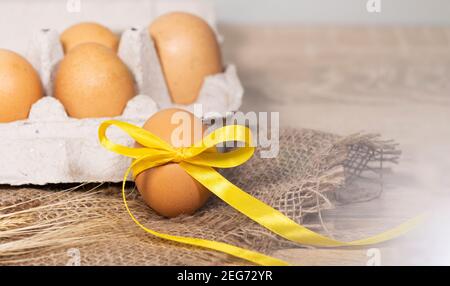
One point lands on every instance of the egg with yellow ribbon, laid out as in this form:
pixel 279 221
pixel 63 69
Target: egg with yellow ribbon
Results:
pixel 168 189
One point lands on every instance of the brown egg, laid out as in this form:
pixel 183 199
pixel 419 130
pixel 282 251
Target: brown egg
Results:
pixel 20 87
pixel 92 81
pixel 188 52
pixel 89 33
pixel 168 189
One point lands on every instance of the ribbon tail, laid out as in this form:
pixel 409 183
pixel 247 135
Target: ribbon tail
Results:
pixel 274 220
pixel 249 255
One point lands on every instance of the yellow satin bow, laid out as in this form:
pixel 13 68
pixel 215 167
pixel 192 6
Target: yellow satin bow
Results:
pixel 199 161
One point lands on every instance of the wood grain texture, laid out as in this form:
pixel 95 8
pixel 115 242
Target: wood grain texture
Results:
pixel 388 80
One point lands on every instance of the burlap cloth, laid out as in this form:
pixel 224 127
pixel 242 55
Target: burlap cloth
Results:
pixel 312 172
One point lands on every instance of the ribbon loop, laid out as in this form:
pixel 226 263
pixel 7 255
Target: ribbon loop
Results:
pixel 141 136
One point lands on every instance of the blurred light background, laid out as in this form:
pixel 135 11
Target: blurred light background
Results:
pixel 410 12
pixel 19 18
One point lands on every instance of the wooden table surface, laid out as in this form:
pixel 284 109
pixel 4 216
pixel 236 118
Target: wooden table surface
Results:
pixel 389 80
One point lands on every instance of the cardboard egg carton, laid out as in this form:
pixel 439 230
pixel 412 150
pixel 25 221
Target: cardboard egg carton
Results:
pixel 51 147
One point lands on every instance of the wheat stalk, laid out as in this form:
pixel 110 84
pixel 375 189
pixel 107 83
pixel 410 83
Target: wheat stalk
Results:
pixel 24 232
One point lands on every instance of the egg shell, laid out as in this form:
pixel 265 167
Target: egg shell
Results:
pixel 168 189
pixel 89 33
pixel 92 81
pixel 188 51
pixel 20 87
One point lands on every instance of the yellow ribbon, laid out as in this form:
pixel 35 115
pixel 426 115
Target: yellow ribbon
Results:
pixel 199 161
